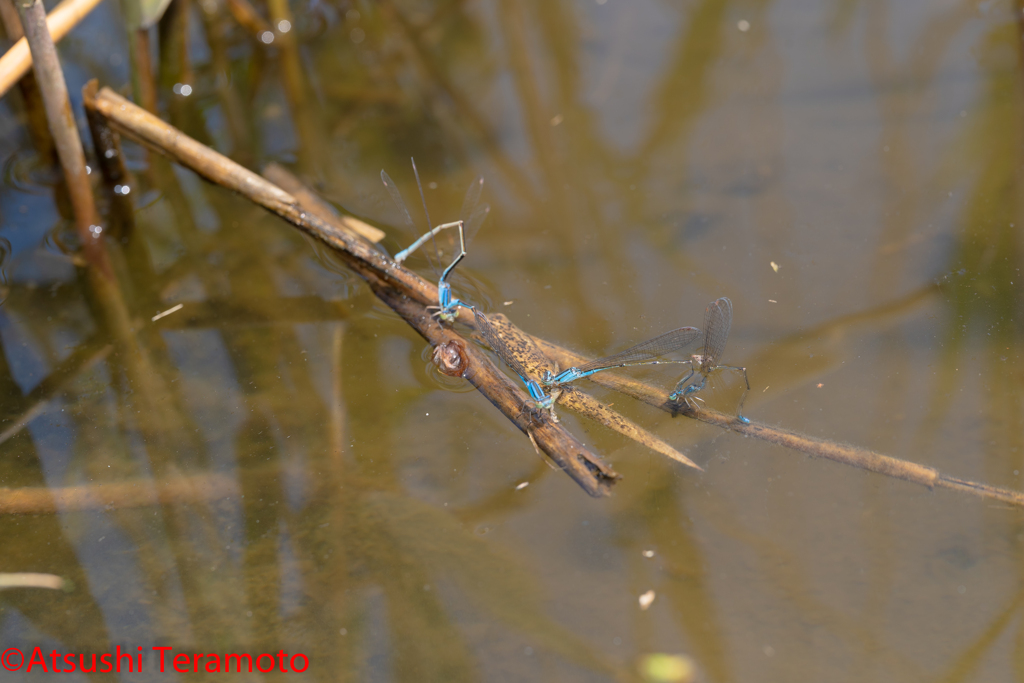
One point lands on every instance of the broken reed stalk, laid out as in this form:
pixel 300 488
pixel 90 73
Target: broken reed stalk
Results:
pixel 50 79
pixel 18 60
pixel 585 404
pixel 33 101
pixel 100 277
pixel 110 159
pixel 404 291
pixel 408 294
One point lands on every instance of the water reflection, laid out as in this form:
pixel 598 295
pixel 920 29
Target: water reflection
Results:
pixel 270 467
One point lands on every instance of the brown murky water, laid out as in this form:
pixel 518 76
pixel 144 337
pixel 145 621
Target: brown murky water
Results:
pixel 847 173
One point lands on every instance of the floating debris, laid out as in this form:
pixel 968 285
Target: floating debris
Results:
pixel 172 309
pixel 665 668
pixel 450 358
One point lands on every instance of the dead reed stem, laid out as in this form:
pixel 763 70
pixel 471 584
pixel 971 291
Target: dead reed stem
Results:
pixel 33 101
pixel 50 79
pixel 119 180
pixel 18 60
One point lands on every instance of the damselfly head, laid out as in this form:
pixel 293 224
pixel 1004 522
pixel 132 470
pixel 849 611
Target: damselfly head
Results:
pixel 546 405
pixel 443 315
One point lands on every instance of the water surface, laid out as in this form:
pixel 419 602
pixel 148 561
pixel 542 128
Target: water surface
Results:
pixel 846 173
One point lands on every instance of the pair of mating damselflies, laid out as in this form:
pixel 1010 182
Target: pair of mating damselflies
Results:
pixel 717 317
pixel 471 217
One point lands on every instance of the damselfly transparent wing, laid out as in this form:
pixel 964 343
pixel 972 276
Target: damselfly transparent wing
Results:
pixel 473 212
pixel 472 215
pixel 406 219
pixel 680 339
pixel 717 322
pixel 432 252
pixel 442 245
pixel 396 197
